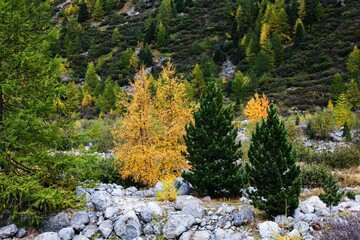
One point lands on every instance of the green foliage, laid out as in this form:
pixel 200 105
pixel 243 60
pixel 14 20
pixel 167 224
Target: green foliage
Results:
pixel 341 158
pixel 337 85
pixel 314 175
pixel 36 116
pixel 160 35
pixel 91 78
pixel 165 12
pixel 106 101
pixel 83 13
pixel 342 112
pixel 116 37
pixel 321 124
pixel 299 32
pixel 351 195
pixel 353 94
pixel 353 63
pixel 272 170
pixel 240 86
pixel 333 195
pixel 212 150
pixel 346 132
pixel 145 56
pixel 198 81
pixel 98 10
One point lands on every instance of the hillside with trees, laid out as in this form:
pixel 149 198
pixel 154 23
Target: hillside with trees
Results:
pixel 105 100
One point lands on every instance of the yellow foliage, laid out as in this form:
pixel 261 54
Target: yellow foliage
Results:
pixel 71 9
pixel 87 100
pixel 169 192
pixel 330 105
pixel 150 136
pixel 256 108
pixel 342 112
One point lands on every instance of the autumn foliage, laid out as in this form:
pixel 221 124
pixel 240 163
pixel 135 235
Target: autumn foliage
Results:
pixel 149 139
pixel 256 108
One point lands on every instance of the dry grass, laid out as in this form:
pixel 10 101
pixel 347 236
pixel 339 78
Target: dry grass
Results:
pixel 349 177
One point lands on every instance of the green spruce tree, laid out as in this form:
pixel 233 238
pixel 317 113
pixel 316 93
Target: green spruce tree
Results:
pixel 98 13
pixel 337 85
pixel 83 13
pixel 116 37
pixel 272 170
pixel 145 56
pixel 332 195
pixel 91 78
pixel 212 149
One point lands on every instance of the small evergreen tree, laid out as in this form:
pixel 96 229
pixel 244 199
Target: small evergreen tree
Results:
pixel 272 169
pixel 346 132
pixel 198 82
pixel 91 78
pixel 116 37
pixel 353 94
pixel 98 10
pixel 107 99
pixel 145 56
pixel 212 150
pixel 353 63
pixel 333 195
pixel 337 85
pixel 160 35
pixel 299 32
pixel 83 13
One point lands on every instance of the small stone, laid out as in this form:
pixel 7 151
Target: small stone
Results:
pixel 21 233
pixel 303 227
pixel 101 200
pixel 238 220
pixel 48 236
pixel 154 209
pixel 307 208
pixel 268 229
pixel 67 233
pixel 90 230
pixel 106 227
pixel 177 224
pixel 295 234
pixel 247 213
pixel 196 235
pixel 128 226
pixel 118 192
pixel 55 222
pixel 148 229
pixel 194 208
pixel 130 191
pixel 111 211
pixel 79 220
pixel 159 187
pixel 79 237
pixel 145 216
pixel 8 231
pixel 92 217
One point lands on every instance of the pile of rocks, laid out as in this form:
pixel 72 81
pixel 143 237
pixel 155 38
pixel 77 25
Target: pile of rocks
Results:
pixel 118 213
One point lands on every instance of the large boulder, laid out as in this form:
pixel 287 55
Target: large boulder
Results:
pixel 177 224
pixel 90 230
pixel 181 201
pixel 268 229
pixel 8 231
pixel 48 236
pixel 79 220
pixel 154 209
pixel 111 211
pixel 80 237
pixel 55 222
pixel 196 235
pixel 101 200
pixel 128 226
pixel 183 188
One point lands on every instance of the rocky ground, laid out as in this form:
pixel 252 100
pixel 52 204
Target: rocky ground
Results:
pixel 112 212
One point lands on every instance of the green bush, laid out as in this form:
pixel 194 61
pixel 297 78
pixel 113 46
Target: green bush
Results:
pixel 341 158
pixel 321 124
pixel 314 175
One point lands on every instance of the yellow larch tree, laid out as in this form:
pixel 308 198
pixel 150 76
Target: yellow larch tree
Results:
pixel 149 139
pixel 256 107
pixel 342 112
pixel 137 136
pixel 174 112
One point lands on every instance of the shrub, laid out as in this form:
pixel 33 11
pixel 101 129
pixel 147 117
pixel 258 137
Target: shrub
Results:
pixel 341 158
pixel 169 192
pixel 314 175
pixel 321 124
pixel 347 228
pixel 351 195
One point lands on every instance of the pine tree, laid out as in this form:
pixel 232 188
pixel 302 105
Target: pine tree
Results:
pixel 353 63
pixel 107 99
pixel 150 32
pixel 333 195
pixel 299 31
pixel 145 56
pixel 346 132
pixel 116 37
pixel 302 10
pixel 239 86
pixel 212 150
pixel 91 78
pixel 165 12
pixel 83 13
pixel 353 94
pixel 198 82
pixel 272 170
pixel 98 10
pixel 160 35
pixel 337 85
pixel 277 48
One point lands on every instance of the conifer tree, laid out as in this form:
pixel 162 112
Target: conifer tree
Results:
pixel 150 32
pixel 165 12
pixel 353 63
pixel 272 170
pixel 198 81
pixel 98 10
pixel 337 85
pixel 91 78
pixel 299 31
pixel 342 111
pixel 212 149
pixel 83 13
pixel 256 108
pixel 145 56
pixel 107 99
pixel 277 48
pixel 116 37
pixel 239 86
pixel 302 10
pixel 36 112
pixel 353 94
pixel 333 195
pixel 160 35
